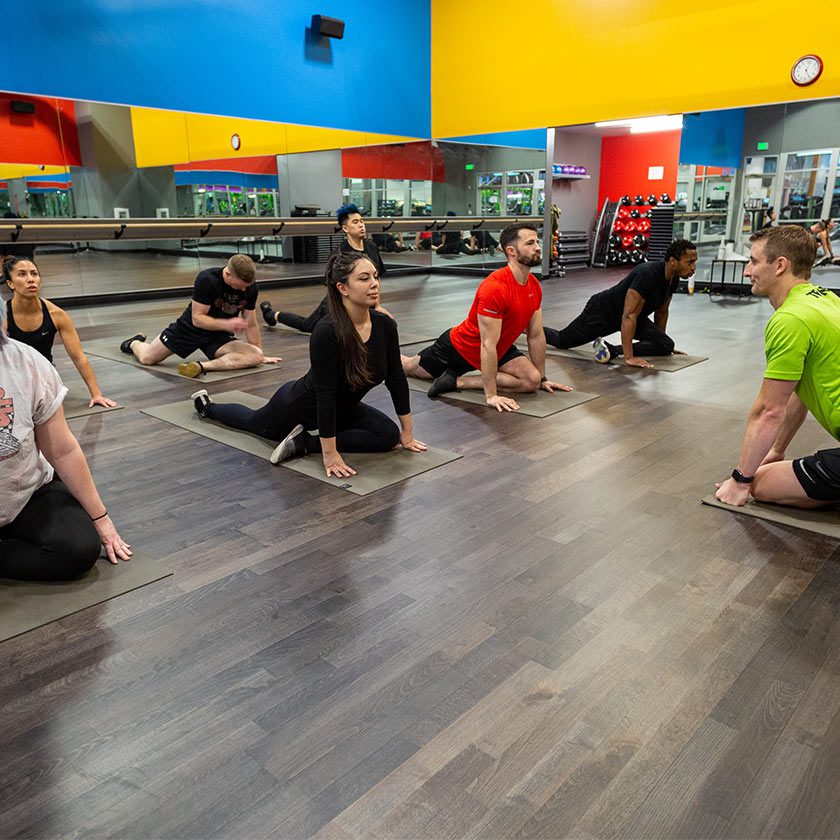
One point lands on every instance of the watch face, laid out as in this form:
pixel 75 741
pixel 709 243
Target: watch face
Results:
pixel 236 142
pixel 807 70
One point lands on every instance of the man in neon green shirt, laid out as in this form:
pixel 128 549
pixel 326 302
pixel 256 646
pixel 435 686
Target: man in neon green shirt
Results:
pixel 801 344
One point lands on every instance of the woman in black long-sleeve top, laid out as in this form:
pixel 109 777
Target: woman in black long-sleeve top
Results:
pixel 351 351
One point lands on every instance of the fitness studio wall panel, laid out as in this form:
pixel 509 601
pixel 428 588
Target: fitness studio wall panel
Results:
pixel 251 59
pixel 546 62
pixel 625 161
pixel 714 138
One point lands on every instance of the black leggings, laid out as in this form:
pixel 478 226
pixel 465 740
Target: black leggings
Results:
pixel 592 323
pixel 362 429
pixel 303 323
pixel 52 538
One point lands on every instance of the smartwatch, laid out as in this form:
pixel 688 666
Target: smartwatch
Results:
pixel 741 478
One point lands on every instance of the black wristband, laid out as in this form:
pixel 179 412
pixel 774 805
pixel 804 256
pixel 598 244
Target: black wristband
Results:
pixel 101 516
pixel 741 478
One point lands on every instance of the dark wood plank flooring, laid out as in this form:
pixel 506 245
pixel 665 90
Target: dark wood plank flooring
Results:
pixel 550 637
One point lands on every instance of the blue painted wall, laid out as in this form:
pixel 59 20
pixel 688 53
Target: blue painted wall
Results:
pixel 242 58
pixel 533 138
pixel 713 138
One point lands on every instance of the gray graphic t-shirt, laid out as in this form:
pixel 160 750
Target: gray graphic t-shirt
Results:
pixel 30 393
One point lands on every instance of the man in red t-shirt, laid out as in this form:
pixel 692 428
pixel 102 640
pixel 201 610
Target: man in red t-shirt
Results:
pixel 506 304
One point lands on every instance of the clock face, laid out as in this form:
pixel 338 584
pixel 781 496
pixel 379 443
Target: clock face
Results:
pixel 236 142
pixel 807 70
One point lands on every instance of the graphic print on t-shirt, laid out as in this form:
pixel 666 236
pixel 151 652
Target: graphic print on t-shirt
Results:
pixel 9 444
pixel 231 304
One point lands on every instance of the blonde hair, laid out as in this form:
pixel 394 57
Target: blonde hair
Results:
pixel 242 266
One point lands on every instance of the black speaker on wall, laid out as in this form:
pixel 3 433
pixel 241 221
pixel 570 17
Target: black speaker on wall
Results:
pixel 327 27
pixel 21 107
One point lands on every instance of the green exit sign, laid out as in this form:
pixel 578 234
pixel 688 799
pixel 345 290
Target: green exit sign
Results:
pixel 469 167
pixel 763 147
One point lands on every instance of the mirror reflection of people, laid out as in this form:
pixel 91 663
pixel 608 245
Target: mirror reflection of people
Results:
pixel 454 241
pixel 769 218
pixel 35 321
pixel 802 374
pixel 625 307
pixel 352 350
pixel 507 303
pixel 351 221
pixel 53 522
pixel 223 303
pixel 821 231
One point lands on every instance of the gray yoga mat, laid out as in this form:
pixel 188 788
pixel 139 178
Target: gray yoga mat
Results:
pixel 821 521
pixel 375 470
pixel 541 404
pixel 405 337
pixel 666 363
pixel 109 348
pixel 76 405
pixel 25 605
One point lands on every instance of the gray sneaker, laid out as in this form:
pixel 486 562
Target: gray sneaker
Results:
pixel 292 446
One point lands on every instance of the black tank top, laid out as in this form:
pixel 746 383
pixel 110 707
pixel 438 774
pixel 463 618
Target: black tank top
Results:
pixel 41 339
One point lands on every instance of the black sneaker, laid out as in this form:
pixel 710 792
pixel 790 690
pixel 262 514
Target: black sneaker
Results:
pixel 201 399
pixel 447 381
pixel 126 345
pixel 292 446
pixel 269 315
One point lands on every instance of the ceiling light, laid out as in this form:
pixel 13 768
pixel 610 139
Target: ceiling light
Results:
pixel 643 125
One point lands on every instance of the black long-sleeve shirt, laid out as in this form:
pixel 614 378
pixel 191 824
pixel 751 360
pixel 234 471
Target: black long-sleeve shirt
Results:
pixel 325 394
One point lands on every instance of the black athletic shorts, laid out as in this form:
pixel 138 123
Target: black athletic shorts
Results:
pixel 819 475
pixel 183 340
pixel 441 355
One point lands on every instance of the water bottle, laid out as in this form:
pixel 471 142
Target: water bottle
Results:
pixel 691 284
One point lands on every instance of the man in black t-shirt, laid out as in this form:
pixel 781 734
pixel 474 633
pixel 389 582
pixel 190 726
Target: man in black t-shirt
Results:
pixel 625 307
pixel 353 225
pixel 224 302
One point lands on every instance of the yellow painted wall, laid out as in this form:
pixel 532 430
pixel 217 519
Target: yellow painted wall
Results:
pixel 168 137
pixel 8 171
pixel 537 63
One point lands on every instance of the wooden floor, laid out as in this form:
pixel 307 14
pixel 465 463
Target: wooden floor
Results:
pixel 550 637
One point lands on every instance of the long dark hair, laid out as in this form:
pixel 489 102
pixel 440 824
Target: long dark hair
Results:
pixel 353 351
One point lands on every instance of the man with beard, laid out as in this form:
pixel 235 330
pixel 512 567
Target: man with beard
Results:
pixel 625 307
pixel 506 304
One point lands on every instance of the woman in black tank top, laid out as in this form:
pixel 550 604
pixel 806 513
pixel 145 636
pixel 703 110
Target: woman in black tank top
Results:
pixel 36 322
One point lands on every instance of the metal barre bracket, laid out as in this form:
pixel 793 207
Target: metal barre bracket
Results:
pixel 276 230
pixel 16 234
pixel 203 233
pixel 120 232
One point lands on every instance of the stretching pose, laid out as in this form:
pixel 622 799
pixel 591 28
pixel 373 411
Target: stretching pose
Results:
pixel 34 321
pixel 802 375
pixel 220 297
pixel 625 307
pixel 822 231
pixel 353 225
pixel 52 521
pixel 351 350
pixel 506 303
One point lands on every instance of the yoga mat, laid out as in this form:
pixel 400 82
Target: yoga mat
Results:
pixel 376 470
pixel 26 605
pixel 820 521
pixel 109 348
pixel 76 405
pixel 666 363
pixel 541 404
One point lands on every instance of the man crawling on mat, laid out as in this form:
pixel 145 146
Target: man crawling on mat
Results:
pixel 224 302
pixel 802 374
pixel 506 303
pixel 625 307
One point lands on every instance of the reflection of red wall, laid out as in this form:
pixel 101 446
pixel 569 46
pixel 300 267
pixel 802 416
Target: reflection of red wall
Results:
pixel 409 161
pixel 625 161
pixel 255 165
pixel 37 138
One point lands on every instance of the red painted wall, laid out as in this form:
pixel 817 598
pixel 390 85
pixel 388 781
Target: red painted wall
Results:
pixel 254 165
pixel 625 161
pixel 37 138
pixel 407 161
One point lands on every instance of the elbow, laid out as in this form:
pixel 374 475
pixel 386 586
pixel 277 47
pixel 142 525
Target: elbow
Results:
pixel 768 415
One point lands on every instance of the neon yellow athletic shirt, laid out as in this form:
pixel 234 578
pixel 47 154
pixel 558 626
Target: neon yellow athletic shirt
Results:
pixel 802 341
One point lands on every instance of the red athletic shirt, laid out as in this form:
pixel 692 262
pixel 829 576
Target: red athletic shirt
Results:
pixel 498 296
